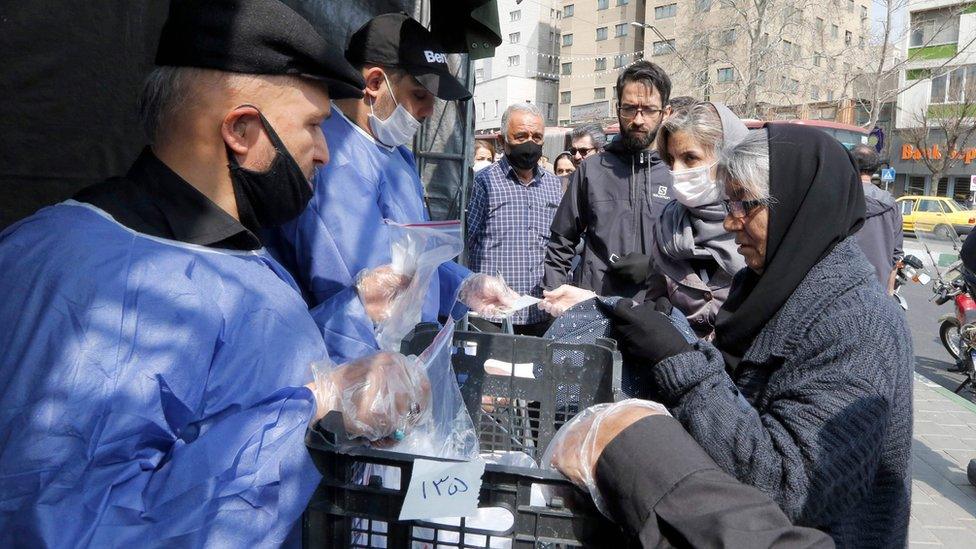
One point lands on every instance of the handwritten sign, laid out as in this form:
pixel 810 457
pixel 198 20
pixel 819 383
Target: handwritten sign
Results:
pixel 443 489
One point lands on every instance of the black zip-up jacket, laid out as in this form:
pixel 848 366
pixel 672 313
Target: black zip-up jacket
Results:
pixel 612 203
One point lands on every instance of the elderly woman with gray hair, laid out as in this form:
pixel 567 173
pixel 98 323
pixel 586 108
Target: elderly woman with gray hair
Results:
pixel 806 392
pixel 694 257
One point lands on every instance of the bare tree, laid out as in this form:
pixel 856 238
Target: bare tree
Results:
pixel 940 132
pixel 883 61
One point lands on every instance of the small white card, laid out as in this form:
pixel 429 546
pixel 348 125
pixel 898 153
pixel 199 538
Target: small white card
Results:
pixel 522 302
pixel 440 489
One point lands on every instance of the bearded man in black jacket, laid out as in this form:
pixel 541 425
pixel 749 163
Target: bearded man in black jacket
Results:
pixel 615 197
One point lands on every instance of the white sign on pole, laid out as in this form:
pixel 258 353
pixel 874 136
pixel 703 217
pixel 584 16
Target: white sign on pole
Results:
pixel 972 183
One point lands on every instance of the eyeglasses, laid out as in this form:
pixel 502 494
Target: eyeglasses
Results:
pixel 583 151
pixel 630 111
pixel 739 209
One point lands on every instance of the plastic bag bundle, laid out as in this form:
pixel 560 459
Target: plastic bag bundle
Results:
pixel 417 250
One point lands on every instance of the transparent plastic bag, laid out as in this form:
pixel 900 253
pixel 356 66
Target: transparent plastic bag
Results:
pixel 417 250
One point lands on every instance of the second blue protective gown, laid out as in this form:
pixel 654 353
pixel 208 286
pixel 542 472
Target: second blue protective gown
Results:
pixel 341 232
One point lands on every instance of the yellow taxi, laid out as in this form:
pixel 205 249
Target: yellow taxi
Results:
pixel 936 213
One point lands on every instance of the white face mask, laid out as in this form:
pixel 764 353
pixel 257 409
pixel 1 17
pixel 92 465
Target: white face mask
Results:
pixel 480 165
pixel 694 187
pixel 398 129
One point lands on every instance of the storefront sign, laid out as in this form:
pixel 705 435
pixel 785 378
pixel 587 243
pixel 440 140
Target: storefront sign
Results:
pixel 910 152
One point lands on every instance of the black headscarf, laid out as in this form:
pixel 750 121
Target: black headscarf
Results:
pixel 817 201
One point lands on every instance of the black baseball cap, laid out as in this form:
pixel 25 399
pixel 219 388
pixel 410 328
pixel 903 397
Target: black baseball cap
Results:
pixel 254 37
pixel 397 40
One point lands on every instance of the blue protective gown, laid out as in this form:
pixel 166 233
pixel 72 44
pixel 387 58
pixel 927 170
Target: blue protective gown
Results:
pixel 151 392
pixel 341 232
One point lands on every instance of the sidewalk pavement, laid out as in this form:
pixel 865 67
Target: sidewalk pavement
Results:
pixel 943 501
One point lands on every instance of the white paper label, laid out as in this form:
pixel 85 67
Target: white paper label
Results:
pixel 519 369
pixel 440 489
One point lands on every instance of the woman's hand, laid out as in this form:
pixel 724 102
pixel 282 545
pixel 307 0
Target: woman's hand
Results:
pixel 558 301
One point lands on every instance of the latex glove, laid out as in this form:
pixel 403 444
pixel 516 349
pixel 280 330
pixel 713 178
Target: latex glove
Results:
pixel 488 296
pixel 558 301
pixel 377 288
pixel 632 268
pixel 645 333
pixel 577 446
pixel 383 395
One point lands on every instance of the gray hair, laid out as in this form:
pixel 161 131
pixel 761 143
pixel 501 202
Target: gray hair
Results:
pixel 519 107
pixel 597 137
pixel 165 90
pixel 747 165
pixel 700 121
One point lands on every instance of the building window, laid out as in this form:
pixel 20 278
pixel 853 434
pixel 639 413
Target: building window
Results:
pixel 496 109
pixel 848 38
pixel 820 27
pixel 515 15
pixel 513 38
pixel 569 10
pixel 600 64
pixel 602 4
pixel 864 13
pixel 514 60
pixel 567 68
pixel 623 2
pixel 788 49
pixel 601 33
pixel 726 75
pixel 832 63
pixel 817 59
pixel 568 39
pixel 814 93
pixel 665 12
pixel 830 96
pixel 930 28
pixel 620 30
pixel 599 93
pixel 618 61
pixel 479 75
pixel 956 85
pixel 701 6
pixel 484 111
pixel 726 37
pixel 664 47
pixel 565 97
pixel 834 30
pixel 850 6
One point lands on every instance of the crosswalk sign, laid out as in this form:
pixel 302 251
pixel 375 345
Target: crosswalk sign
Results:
pixel 887 174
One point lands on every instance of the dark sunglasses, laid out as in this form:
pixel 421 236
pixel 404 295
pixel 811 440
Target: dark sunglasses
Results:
pixel 583 151
pixel 741 208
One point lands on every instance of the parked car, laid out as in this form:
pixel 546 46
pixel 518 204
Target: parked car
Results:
pixel 936 213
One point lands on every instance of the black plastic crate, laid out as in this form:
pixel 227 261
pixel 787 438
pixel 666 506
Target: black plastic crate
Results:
pixel 526 413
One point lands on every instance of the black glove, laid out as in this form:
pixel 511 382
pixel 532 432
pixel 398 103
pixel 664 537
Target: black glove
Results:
pixel 645 333
pixel 632 268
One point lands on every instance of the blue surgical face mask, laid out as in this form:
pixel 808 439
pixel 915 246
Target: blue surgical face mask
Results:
pixel 396 130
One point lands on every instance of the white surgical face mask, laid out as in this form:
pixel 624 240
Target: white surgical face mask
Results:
pixel 399 128
pixel 694 187
pixel 480 165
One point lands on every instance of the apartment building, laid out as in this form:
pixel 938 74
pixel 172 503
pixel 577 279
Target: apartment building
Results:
pixel 525 65
pixel 938 85
pixel 799 52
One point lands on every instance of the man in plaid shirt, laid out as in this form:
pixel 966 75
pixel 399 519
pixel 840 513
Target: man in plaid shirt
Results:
pixel 512 205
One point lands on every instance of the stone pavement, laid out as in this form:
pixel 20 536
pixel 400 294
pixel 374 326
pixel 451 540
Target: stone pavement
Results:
pixel 943 501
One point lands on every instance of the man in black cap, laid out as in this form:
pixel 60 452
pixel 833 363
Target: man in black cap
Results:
pixel 372 177
pixel 155 380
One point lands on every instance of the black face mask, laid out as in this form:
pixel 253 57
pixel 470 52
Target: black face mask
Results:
pixel 524 156
pixel 273 197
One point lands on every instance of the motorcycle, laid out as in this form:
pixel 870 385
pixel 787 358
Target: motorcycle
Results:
pixel 956 283
pixel 909 270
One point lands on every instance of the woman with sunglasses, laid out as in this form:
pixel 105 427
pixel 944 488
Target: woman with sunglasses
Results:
pixel 806 391
pixel 693 258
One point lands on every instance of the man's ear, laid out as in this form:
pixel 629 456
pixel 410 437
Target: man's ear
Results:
pixel 240 129
pixel 375 82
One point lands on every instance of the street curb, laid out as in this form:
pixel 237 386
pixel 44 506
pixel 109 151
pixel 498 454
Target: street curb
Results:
pixel 947 393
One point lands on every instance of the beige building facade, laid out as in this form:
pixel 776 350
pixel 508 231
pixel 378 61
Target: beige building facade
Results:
pixel 796 53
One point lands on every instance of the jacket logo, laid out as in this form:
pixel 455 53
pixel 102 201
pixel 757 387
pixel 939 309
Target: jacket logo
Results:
pixel 435 57
pixel 662 191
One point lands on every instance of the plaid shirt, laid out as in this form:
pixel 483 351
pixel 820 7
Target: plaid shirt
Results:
pixel 508 229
